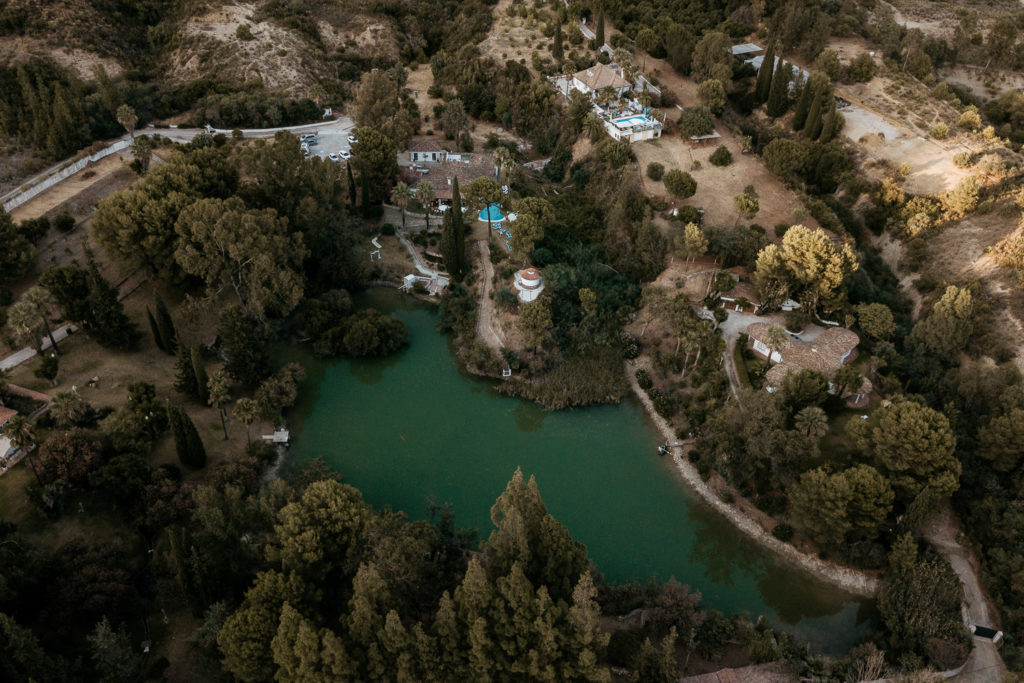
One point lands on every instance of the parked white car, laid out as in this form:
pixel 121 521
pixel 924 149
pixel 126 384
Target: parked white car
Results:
pixel 352 139
pixel 334 157
pixel 345 155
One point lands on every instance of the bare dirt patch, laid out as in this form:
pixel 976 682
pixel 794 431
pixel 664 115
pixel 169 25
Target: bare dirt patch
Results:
pixel 80 62
pixel 276 56
pixel 982 84
pixel 515 38
pixel 93 175
pixel 716 186
pixel 961 252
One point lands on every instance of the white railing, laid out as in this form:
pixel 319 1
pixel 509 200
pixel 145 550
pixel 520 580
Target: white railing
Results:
pixel 62 174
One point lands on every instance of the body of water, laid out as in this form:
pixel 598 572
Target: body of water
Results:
pixel 411 430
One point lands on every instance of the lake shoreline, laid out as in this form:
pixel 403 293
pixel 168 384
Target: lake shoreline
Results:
pixel 851 580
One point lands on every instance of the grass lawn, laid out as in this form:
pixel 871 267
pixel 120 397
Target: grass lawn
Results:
pixel 14 504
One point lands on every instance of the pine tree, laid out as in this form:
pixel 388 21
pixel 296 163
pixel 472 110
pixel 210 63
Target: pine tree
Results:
pixel 803 105
pixel 165 325
pixel 187 443
pixel 154 330
pixel 202 380
pixel 764 75
pixel 600 28
pixel 184 373
pixel 812 128
pixel 778 95
pixel 556 46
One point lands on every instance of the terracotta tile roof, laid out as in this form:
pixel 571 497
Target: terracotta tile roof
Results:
pixel 427 144
pixel 823 354
pixel 601 76
pixel 6 414
pixel 441 174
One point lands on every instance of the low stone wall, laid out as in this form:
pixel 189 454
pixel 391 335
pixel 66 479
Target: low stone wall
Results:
pixel 848 579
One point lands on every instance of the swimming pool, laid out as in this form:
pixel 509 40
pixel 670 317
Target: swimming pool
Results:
pixel 492 213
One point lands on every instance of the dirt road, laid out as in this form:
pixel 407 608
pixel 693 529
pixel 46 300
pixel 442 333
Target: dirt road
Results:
pixel 485 310
pixel 984 664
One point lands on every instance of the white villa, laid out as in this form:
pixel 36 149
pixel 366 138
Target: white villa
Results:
pixel 598 77
pixel 529 283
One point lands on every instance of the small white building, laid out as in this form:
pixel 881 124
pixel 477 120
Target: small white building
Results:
pixel 529 283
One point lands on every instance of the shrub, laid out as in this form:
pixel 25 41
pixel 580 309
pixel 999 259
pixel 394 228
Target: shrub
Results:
pixel 387 229
pixel 644 379
pixel 747 205
pixel 940 131
pixel 721 156
pixel 64 223
pixel 783 532
pixel 688 214
pixel 861 68
pixel 665 404
pixel 243 32
pixel 970 119
pixel 680 183
pixel 962 160
pixel 655 170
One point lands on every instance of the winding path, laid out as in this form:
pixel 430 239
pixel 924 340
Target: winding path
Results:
pixel 485 309
pixel 850 580
pixel 984 665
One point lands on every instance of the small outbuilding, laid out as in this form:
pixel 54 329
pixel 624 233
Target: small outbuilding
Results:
pixel 529 284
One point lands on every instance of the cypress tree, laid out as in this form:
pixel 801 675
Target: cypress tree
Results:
pixel 556 46
pixel 187 443
pixel 154 330
pixel 812 128
pixel 108 324
pixel 831 125
pixel 364 180
pixel 460 229
pixel 184 373
pixel 351 186
pixel 803 105
pixel 202 380
pixel 764 75
pixel 449 250
pixel 165 325
pixel 778 96
pixel 600 28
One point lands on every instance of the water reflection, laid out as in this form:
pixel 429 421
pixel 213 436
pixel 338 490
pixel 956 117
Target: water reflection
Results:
pixel 371 371
pixel 529 416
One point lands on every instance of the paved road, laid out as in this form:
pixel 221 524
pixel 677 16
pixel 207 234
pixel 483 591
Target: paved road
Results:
pixel 27 353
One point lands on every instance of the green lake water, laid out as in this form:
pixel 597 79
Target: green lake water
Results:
pixel 411 430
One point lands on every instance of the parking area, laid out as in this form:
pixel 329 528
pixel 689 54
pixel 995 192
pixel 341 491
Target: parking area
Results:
pixel 333 139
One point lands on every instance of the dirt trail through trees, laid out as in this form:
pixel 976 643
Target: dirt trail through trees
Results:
pixel 485 311
pixel 850 580
pixel 984 663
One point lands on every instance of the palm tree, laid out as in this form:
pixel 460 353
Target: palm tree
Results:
pixel 20 430
pixel 23 321
pixel 67 408
pixel 44 304
pixel 127 117
pixel 775 338
pixel 246 412
pixel 400 197
pixel 220 396
pixel 593 126
pixel 812 421
pixel 506 163
pixel 425 195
